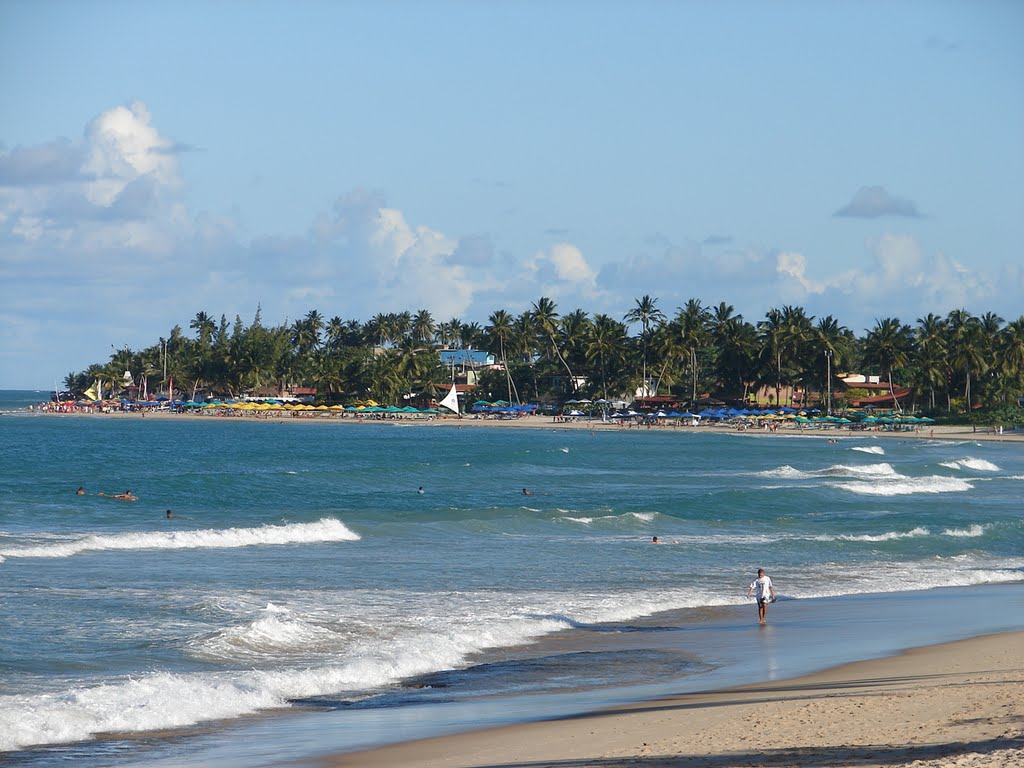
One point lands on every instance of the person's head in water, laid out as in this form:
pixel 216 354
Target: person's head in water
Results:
pixel 80 491
pixel 170 514
pixel 654 540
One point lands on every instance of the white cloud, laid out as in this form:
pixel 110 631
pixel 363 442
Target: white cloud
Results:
pixel 562 270
pixel 118 187
pixel 570 265
pixel 122 146
pixel 896 278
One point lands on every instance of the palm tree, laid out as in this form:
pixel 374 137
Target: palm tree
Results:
pixel 204 327
pixel 784 334
pixel 423 327
pixel 335 333
pixel 499 328
pixel 833 340
pixel 401 323
pixel 607 342
pixel 932 355
pixel 472 335
pixel 646 313
pixel 888 345
pixel 450 334
pixel 315 322
pixel 966 348
pixel 1011 352
pixel 666 344
pixel 546 318
pixel 575 330
pixel 525 343
pixel 692 322
pixel 737 346
pixel 379 330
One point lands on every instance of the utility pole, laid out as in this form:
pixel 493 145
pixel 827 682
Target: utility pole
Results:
pixel 828 381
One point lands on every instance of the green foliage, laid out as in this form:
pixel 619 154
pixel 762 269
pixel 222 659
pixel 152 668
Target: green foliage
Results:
pixel 953 363
pixel 1005 415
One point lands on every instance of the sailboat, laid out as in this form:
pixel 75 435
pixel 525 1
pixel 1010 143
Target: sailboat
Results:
pixel 451 400
pixel 95 392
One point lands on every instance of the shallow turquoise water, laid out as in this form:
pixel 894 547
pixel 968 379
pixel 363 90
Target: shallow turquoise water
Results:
pixel 304 566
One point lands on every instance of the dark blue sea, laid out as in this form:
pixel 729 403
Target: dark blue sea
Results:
pixel 306 594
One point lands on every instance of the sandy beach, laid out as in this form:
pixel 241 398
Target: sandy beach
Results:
pixel 957 705
pixel 939 432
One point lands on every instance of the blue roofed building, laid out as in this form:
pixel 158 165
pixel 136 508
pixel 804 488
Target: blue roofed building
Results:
pixel 469 358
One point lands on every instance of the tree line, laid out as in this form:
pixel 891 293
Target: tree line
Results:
pixel 952 363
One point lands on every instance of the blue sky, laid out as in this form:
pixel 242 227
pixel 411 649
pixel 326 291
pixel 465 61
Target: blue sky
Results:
pixel 860 159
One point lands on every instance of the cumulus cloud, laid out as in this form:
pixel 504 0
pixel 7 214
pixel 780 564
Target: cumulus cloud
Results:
pixel 562 270
pixel 398 265
pixel 873 202
pixel 896 277
pixel 115 188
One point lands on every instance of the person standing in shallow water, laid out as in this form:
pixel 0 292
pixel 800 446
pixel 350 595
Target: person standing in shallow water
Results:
pixel 764 591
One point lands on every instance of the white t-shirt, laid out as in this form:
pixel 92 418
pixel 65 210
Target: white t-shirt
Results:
pixel 762 587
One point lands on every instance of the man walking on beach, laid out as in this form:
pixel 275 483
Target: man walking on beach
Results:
pixel 765 593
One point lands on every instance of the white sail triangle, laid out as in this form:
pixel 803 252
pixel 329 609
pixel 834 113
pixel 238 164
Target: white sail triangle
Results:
pixel 451 400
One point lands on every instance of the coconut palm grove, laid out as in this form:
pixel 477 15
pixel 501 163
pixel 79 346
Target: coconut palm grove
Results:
pixel 955 366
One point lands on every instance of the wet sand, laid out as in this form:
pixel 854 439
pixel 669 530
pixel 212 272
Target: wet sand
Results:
pixel 959 704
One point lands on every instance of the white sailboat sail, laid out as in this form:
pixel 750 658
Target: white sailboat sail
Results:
pixel 451 400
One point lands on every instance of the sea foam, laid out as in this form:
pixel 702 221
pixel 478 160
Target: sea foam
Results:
pixel 162 700
pixel 979 465
pixel 905 486
pixel 876 449
pixel 324 530
pixel 970 533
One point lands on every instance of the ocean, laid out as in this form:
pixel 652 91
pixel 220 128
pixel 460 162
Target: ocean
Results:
pixel 306 597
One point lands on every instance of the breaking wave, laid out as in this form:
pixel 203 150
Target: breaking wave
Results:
pixel 979 465
pixel 876 449
pixel 325 530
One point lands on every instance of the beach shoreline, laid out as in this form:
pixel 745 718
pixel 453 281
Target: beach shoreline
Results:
pixel 952 704
pixel 937 432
